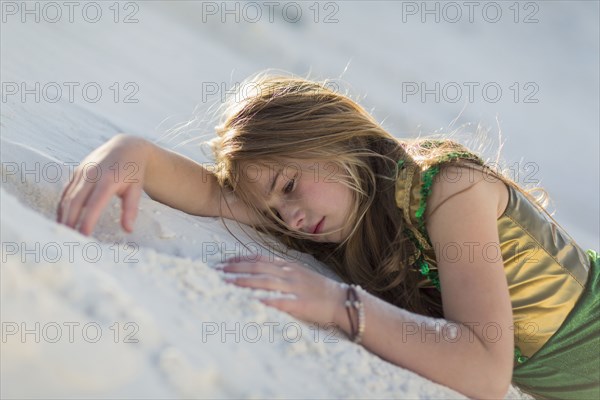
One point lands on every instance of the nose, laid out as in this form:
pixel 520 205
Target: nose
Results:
pixel 293 216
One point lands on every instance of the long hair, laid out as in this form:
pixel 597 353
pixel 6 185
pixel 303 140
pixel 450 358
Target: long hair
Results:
pixel 275 118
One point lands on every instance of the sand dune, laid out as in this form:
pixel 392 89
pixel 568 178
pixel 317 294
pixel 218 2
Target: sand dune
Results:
pixel 145 314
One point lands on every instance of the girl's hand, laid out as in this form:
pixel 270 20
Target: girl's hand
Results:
pixel 318 298
pixel 116 167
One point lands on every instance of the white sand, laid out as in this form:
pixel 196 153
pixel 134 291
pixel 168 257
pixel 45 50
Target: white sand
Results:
pixel 164 282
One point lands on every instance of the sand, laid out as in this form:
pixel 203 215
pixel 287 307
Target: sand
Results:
pixel 146 315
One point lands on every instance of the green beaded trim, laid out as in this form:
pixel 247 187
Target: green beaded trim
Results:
pixel 421 264
pixel 519 358
pixel 427 178
pixel 425 192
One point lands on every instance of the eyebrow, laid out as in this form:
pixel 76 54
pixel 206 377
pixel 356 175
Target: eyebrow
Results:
pixel 272 186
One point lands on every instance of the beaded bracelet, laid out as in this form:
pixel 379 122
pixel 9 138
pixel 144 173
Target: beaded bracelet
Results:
pixel 354 302
pixel 347 305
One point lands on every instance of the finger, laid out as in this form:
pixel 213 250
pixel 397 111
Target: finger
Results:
pixel 267 282
pixel 254 268
pixel 63 205
pixel 131 199
pixel 66 197
pixel 75 202
pixel 251 257
pixel 94 205
pixel 258 259
pixel 271 258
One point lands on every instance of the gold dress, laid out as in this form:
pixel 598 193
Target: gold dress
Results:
pixel 546 270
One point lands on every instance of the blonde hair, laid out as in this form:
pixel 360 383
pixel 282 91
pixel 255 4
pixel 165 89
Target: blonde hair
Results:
pixel 274 118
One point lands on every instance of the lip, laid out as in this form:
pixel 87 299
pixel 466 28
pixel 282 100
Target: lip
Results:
pixel 319 226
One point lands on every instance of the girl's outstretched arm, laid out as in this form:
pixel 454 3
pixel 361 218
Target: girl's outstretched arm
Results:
pixel 471 350
pixel 126 165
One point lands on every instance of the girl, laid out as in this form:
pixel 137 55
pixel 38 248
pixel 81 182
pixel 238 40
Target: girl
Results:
pixel 451 269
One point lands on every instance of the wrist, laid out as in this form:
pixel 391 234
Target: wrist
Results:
pixel 139 151
pixel 351 318
pixel 137 156
pixel 340 316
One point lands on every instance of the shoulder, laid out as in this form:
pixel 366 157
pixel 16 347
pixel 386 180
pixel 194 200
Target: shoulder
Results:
pixel 472 184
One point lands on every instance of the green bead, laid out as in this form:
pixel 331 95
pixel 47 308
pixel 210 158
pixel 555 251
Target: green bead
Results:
pixel 425 191
pixel 419 212
pixel 519 357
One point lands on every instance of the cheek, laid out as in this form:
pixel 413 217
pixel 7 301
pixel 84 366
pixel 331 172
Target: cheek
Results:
pixel 339 197
pixel 346 201
pixel 343 193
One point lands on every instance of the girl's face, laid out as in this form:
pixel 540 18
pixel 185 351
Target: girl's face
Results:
pixel 308 196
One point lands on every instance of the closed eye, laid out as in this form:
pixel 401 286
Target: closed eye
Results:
pixel 289 187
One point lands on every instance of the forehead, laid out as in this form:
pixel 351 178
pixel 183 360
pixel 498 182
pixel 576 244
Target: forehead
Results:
pixel 262 177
